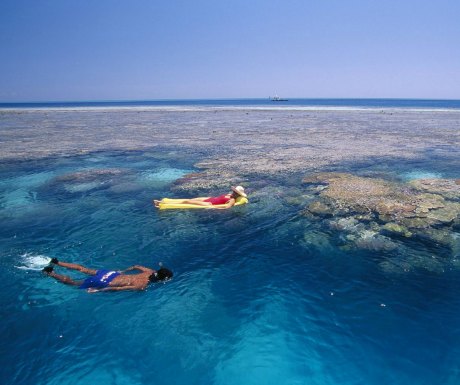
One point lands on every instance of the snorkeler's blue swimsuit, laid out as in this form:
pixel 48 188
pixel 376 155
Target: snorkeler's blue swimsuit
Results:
pixel 100 280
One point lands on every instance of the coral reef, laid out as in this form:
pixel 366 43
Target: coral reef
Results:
pixel 372 209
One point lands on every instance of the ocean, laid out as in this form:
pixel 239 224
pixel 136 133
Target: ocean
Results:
pixel 267 102
pixel 272 292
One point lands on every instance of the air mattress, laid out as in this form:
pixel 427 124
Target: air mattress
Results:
pixel 167 204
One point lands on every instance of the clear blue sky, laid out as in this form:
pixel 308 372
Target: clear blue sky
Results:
pixel 148 49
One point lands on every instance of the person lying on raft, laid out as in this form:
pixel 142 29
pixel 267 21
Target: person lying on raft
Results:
pixel 224 201
pixel 107 280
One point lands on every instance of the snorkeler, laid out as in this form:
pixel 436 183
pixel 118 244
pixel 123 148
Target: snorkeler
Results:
pixel 108 280
pixel 220 202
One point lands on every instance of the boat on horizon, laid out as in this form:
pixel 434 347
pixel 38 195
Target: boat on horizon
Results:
pixel 277 98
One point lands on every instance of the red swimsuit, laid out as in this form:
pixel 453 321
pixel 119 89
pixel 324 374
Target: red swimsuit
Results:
pixel 220 200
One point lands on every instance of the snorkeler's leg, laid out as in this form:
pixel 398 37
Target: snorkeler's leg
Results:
pixel 61 278
pixel 74 266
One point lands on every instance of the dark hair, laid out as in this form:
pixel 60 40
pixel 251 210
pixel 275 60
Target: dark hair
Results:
pixel 161 275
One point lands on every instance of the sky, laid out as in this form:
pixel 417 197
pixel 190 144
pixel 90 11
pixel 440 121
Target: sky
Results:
pixel 74 50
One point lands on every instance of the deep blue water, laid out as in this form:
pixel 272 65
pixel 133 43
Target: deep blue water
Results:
pixel 261 293
pixel 291 102
pixel 251 302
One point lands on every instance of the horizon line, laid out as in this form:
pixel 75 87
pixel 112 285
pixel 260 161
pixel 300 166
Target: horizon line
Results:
pixel 219 99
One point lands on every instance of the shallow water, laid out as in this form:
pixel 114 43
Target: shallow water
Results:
pixel 261 294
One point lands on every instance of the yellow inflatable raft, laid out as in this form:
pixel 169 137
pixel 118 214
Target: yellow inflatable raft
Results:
pixel 167 204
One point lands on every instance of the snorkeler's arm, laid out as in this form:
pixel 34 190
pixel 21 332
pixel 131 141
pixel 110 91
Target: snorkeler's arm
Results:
pixel 138 267
pixel 115 288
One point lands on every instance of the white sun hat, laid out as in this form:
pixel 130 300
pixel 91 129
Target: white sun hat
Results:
pixel 239 190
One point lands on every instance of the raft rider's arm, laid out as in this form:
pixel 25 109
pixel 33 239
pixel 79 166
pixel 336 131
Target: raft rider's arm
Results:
pixel 229 204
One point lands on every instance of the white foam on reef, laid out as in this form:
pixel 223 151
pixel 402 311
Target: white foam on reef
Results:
pixel 421 174
pixel 194 108
pixel 35 262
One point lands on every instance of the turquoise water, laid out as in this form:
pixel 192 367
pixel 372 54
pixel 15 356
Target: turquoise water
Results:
pixel 261 295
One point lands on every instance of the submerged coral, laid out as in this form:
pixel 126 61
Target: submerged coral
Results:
pixel 90 175
pixel 373 209
pixel 86 180
pixel 236 140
